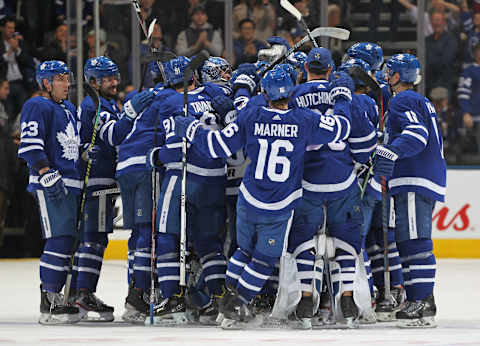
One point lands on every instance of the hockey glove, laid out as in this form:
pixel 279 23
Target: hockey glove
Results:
pixel 138 103
pixel 342 87
pixel 152 159
pixel 90 154
pixel 53 185
pixel 186 127
pixel 384 161
pixel 225 108
pixel 246 82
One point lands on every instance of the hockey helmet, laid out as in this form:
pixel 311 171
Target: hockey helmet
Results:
pixel 345 67
pixel 99 67
pixel 175 69
pixel 215 69
pixel 298 60
pixel 48 69
pixel 291 71
pixel 277 84
pixel 371 53
pixel 406 65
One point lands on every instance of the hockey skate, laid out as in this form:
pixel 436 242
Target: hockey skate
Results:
pixel 302 317
pixel 54 311
pixel 350 311
pixel 236 314
pixel 418 314
pixel 171 311
pixel 136 307
pixel 92 309
pixel 324 314
pixel 209 314
pixel 385 309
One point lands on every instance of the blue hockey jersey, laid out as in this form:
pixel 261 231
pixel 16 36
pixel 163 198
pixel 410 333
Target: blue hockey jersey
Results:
pixel 469 91
pixel 132 151
pixel 199 167
pixel 329 169
pixel 413 131
pixel 111 131
pixel 275 142
pixel 49 136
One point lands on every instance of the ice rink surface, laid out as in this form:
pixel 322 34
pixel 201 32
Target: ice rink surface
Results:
pixel 457 295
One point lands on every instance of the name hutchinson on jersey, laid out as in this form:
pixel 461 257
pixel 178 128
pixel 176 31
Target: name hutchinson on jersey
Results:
pixel 275 130
pixel 313 99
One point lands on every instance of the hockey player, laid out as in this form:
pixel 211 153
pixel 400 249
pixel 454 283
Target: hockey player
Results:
pixel 275 139
pixel 330 180
pixel 412 159
pixel 206 180
pixel 49 144
pixel 136 187
pixel 102 73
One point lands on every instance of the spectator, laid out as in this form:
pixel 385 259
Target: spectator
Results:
pixel 4 92
pixel 6 8
pixel 247 47
pixel 87 15
pixel 16 66
pixel 446 116
pixel 261 12
pixel 90 49
pixel 473 39
pixel 468 94
pixel 441 50
pixel 57 48
pixel 199 35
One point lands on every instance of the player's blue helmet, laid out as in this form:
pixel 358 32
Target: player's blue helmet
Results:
pixel 291 71
pixel 99 67
pixel 175 69
pixel 345 67
pixel 155 70
pixel 406 65
pixel 380 77
pixel 215 69
pixel 48 69
pixel 371 53
pixel 298 60
pixel 277 84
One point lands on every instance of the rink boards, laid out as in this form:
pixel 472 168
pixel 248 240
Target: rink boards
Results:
pixel 456 223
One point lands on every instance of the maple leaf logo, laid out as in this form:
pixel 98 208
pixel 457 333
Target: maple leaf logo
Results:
pixel 69 142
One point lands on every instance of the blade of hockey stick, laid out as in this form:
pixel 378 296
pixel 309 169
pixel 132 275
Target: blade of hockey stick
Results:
pixel 338 33
pixel 193 65
pixel 291 9
pixel 357 72
pixel 150 29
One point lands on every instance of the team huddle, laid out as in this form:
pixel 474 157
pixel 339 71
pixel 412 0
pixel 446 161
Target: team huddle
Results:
pixel 280 217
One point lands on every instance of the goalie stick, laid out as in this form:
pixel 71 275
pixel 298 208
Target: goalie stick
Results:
pixel 339 33
pixel 90 91
pixel 191 67
pixel 357 72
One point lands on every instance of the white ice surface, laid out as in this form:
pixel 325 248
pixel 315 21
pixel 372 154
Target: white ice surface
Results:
pixel 457 295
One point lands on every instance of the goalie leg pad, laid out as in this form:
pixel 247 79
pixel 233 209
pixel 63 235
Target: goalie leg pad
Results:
pixel 54 262
pixel 168 264
pixel 142 258
pixel 90 258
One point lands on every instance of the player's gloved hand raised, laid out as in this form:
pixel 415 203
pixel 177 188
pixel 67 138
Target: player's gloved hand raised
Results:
pixel 152 159
pixel 138 103
pixel 247 78
pixel 384 161
pixel 90 154
pixel 52 183
pixel 342 86
pixel 225 108
pixel 186 127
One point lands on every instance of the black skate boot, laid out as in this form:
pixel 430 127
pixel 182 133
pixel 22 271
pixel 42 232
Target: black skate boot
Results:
pixel 263 304
pixel 136 306
pixel 418 314
pixel 171 311
pixel 237 314
pixel 302 317
pixel 350 311
pixel 209 314
pixel 92 309
pixel 54 311
pixel 386 309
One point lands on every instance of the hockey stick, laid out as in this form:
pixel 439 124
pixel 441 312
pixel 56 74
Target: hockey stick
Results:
pixel 192 66
pixel 296 13
pixel 90 91
pixel 377 90
pixel 145 66
pixel 339 33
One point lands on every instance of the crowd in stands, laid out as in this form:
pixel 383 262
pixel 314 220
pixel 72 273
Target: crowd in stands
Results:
pixel 34 31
